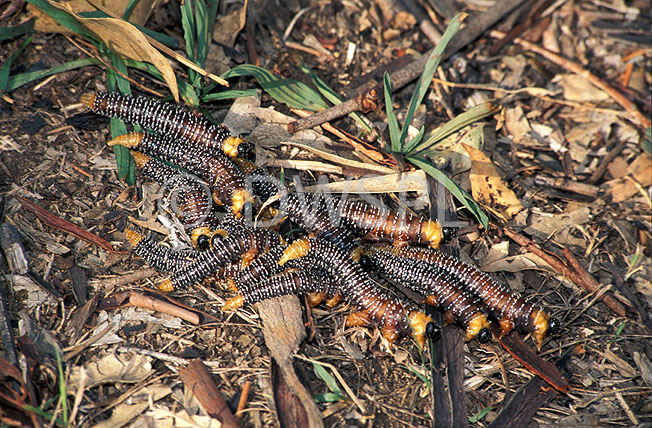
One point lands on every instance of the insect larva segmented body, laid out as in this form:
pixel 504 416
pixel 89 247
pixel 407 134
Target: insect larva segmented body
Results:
pixel 232 247
pixel 394 318
pixel 510 309
pixel 175 122
pixel 223 177
pixel 282 284
pixel 159 257
pixel 318 214
pixel 438 287
pixel 381 224
pixel 193 201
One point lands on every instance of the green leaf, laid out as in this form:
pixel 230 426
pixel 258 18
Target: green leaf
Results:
pixel 392 122
pixel 474 114
pixel 124 162
pixel 646 141
pixel 228 94
pixel 18 80
pixel 428 72
pixel 4 71
pixel 62 18
pixel 459 193
pixel 480 415
pixel 329 397
pixel 331 95
pixel 330 381
pixel 288 91
pixel 18 30
pixel 62 387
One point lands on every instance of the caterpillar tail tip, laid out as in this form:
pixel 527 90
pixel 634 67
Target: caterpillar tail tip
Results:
pixel 419 322
pixel 133 237
pixel 166 286
pixel 130 140
pixel 233 303
pixel 88 99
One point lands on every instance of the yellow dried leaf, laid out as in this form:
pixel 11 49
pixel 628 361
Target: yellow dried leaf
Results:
pixel 488 188
pixel 126 40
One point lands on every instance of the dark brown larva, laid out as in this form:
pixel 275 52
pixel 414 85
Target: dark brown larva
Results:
pixel 511 310
pixel 438 287
pixel 193 200
pixel 159 257
pixel 217 170
pixel 174 122
pixel 381 224
pixel 247 243
pixel 282 284
pixel 373 307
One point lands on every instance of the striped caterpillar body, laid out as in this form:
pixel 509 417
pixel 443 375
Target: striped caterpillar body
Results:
pixel 237 246
pixel 159 257
pixel 167 119
pixel 374 308
pixel 194 202
pixel 511 310
pixel 282 284
pixel 439 288
pixel 319 212
pixel 217 170
pixel 381 224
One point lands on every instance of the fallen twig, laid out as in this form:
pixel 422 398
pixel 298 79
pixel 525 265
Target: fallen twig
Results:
pixel 367 98
pixel 575 272
pixel 64 225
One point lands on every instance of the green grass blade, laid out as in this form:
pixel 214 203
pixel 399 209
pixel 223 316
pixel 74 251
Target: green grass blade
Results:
pixel 129 9
pixel 4 71
pixel 124 162
pixel 288 91
pixel 480 415
pixel 62 18
pixel 189 36
pixel 474 114
pixel 459 193
pixel 62 388
pixel 331 95
pixel 428 72
pixel 329 397
pixel 7 33
pixel 232 93
pixel 326 377
pixel 18 80
pixel 392 122
pixel 646 141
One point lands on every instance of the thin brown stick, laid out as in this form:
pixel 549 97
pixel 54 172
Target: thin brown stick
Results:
pixel 199 381
pixel 602 168
pixel 575 272
pixel 629 106
pixel 118 281
pixel 368 97
pixel 64 225
pixel 244 396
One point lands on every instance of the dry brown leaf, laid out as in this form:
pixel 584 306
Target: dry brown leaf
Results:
pixel 577 88
pixel 640 170
pixel 487 187
pixel 517 124
pixel 126 40
pixel 413 181
pixel 113 368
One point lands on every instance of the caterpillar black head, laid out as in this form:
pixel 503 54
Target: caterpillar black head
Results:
pixel 433 331
pixel 554 327
pixel 366 263
pixel 247 150
pixel 484 335
pixel 448 233
pixel 203 242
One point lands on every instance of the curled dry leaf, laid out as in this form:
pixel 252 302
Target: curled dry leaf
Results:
pixel 113 369
pixel 126 40
pixel 487 187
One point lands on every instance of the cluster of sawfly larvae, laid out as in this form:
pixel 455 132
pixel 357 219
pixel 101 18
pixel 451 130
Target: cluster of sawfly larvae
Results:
pixel 341 255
